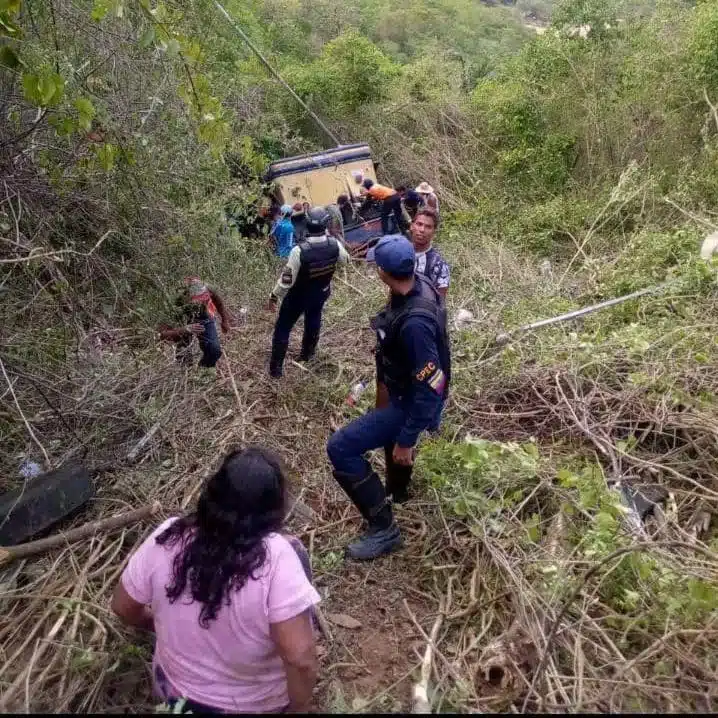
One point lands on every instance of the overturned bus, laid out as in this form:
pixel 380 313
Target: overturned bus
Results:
pixel 320 177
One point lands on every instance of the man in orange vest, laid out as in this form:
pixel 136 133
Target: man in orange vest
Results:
pixel 390 204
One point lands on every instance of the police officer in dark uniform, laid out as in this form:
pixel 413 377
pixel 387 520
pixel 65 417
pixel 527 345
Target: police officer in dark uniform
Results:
pixel 304 286
pixel 414 366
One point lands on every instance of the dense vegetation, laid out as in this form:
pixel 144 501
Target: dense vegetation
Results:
pixel 132 141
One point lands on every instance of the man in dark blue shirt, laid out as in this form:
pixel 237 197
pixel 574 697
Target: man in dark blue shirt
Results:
pixel 413 373
pixel 411 199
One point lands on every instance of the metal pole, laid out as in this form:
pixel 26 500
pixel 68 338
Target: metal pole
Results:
pixel 265 62
pixel 505 337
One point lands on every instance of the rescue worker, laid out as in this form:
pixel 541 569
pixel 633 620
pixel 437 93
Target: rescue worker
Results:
pixel 429 261
pixel 429 196
pixel 390 201
pixel 411 200
pixel 413 365
pixel 345 207
pixel 299 221
pixel 335 228
pixel 197 307
pixel 304 287
pixel 283 232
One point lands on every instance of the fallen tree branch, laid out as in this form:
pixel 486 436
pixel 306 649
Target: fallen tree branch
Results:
pixel 452 671
pixel 420 692
pixel 143 442
pixel 54 255
pixel 323 624
pixel 33 548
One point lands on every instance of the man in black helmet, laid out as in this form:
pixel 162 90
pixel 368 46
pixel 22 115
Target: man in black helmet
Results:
pixel 304 287
pixel 413 363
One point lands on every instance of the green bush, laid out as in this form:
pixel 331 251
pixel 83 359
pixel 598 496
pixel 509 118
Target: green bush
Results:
pixel 702 46
pixel 477 477
pixel 546 228
pixel 650 258
pixel 351 73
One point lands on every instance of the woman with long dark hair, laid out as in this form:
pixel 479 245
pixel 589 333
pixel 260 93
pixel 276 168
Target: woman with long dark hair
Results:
pixel 229 597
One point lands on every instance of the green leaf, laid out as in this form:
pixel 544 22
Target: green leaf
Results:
pixel 106 156
pixel 62 125
pixel 702 592
pixel 10 6
pixel 532 526
pixel 173 48
pixel 85 112
pixel 605 521
pixel 29 87
pixel 566 478
pixel 100 10
pixel 147 37
pixel 46 89
pixel 43 90
pixel 7 27
pixel 9 58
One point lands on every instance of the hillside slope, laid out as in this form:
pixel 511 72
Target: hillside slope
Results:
pixel 570 169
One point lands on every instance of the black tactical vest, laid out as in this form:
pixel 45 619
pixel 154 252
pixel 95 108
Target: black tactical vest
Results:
pixel 392 355
pixel 318 262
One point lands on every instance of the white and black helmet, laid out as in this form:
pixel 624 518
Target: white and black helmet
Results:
pixel 317 221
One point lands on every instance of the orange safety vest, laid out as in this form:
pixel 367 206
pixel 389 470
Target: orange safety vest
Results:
pixel 380 192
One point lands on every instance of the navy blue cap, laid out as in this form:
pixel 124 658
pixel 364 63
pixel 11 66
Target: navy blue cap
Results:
pixel 394 254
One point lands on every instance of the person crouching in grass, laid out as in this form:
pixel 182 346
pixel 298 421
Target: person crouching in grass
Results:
pixel 197 308
pixel 228 596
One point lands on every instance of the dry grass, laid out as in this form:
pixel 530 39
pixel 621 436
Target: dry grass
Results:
pixel 507 639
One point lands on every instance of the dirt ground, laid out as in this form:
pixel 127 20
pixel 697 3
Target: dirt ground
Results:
pixel 369 667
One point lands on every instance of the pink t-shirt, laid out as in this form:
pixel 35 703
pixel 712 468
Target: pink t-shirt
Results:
pixel 233 664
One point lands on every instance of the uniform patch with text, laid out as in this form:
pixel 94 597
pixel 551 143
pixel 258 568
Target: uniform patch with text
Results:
pixel 433 376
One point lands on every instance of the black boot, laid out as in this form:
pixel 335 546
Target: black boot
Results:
pixel 276 361
pixel 309 347
pixel 382 537
pixel 367 494
pixel 350 482
pixel 398 477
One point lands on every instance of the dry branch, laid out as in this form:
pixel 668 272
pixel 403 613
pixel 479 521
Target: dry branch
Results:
pixel 420 692
pixel 33 548
pixel 134 453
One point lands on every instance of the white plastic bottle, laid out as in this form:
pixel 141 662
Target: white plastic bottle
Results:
pixel 355 394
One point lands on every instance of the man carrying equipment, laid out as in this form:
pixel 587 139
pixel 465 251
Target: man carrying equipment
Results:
pixel 390 201
pixel 304 286
pixel 414 366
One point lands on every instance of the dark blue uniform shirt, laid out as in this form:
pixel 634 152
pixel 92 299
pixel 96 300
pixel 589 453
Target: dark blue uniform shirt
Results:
pixel 425 398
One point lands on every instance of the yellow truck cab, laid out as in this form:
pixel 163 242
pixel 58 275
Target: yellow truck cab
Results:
pixel 320 177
